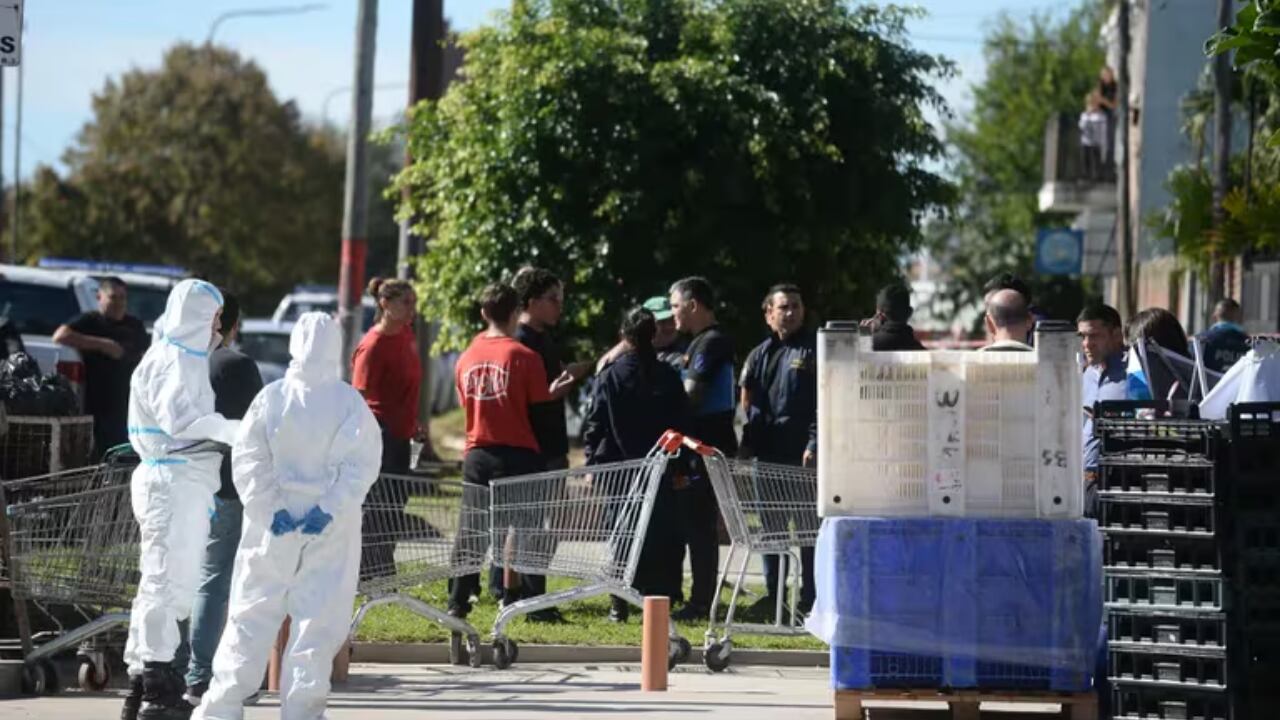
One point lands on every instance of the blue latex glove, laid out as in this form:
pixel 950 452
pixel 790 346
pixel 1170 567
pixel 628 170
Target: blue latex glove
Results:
pixel 315 521
pixel 282 522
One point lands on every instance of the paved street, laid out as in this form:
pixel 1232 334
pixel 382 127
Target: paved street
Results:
pixel 393 692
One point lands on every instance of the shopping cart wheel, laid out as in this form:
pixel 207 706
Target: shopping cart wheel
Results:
pixel 92 676
pixel 473 650
pixel 458 654
pixel 679 652
pixel 716 657
pixel 33 679
pixel 505 653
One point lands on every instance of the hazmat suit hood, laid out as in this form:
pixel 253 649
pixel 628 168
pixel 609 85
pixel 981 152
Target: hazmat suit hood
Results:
pixel 187 322
pixel 315 346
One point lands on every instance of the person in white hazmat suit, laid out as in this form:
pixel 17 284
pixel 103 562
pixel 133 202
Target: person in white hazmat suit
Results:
pixel 171 420
pixel 306 455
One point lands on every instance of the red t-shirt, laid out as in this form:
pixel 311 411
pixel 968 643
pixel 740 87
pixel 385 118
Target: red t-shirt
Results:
pixel 385 369
pixel 498 380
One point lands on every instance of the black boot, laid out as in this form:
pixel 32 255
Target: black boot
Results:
pixel 162 694
pixel 133 700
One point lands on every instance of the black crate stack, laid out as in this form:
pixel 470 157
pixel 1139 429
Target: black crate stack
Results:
pixel 1190 514
pixel 1252 462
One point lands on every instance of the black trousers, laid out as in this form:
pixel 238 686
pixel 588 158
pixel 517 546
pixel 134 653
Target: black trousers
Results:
pixel 383 509
pixel 481 465
pixel 700 515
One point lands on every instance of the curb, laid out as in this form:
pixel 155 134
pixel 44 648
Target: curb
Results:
pixel 438 654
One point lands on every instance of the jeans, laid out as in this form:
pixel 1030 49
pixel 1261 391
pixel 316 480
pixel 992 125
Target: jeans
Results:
pixel 209 613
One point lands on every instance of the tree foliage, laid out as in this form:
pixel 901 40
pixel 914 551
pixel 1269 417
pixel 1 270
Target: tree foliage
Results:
pixel 197 164
pixel 626 143
pixel 1035 69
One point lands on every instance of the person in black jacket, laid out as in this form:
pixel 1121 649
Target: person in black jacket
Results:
pixel 780 399
pixel 236 382
pixel 893 310
pixel 637 398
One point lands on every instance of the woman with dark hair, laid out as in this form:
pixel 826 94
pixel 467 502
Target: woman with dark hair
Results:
pixel 637 398
pixel 1159 325
pixel 1161 375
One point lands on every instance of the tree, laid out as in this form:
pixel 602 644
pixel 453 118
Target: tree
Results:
pixel 196 164
pixel 626 143
pixel 1035 70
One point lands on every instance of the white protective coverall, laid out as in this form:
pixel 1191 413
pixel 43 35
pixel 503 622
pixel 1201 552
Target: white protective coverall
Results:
pixel 308 440
pixel 171 411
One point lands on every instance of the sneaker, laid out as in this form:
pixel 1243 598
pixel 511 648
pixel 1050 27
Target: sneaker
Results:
pixel 763 610
pixel 549 615
pixel 691 613
pixel 619 613
pixel 162 694
pixel 253 699
pixel 458 611
pixel 195 692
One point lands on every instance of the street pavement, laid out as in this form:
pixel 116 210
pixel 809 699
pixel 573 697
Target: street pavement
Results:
pixel 396 692
pixel 526 692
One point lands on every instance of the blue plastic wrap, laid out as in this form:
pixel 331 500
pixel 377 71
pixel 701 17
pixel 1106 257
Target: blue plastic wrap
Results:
pixel 963 602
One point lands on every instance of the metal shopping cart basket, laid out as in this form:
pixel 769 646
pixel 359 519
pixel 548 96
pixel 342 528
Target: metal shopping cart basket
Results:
pixel 584 523
pixel 420 529
pixel 768 509
pixel 70 543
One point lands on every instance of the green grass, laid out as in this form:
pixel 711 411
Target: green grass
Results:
pixel 587 623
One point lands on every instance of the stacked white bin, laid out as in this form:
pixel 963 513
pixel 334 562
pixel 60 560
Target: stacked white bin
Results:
pixel 953 554
pixel 949 433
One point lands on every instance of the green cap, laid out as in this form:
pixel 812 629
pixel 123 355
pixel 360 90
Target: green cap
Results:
pixel 659 306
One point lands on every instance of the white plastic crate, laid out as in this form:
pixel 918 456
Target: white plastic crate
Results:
pixel 957 433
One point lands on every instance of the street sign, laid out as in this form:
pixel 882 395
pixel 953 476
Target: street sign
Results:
pixel 1059 251
pixel 10 32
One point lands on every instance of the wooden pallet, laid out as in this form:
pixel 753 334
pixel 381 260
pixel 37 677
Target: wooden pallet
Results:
pixel 964 704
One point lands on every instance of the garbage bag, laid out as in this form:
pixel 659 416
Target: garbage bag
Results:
pixel 24 391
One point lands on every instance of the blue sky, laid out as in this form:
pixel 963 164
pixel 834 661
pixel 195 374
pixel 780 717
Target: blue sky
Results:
pixel 73 46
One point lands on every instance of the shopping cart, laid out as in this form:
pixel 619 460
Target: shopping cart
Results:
pixel 584 523
pixel 420 529
pixel 70 545
pixel 768 509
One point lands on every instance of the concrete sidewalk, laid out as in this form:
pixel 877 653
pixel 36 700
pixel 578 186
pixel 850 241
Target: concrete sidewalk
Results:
pixel 397 692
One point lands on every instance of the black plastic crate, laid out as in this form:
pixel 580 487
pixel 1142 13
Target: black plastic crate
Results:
pixel 1144 427
pixel 1199 668
pixel 1144 514
pixel 1162 553
pixel 1136 629
pixel 1152 589
pixel 1193 475
pixel 1140 701
pixel 1253 432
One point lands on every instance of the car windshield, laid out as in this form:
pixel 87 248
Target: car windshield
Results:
pixel 266 347
pixel 297 308
pixel 37 309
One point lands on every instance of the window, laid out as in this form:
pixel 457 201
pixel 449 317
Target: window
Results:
pixel 147 303
pixel 37 309
pixel 266 347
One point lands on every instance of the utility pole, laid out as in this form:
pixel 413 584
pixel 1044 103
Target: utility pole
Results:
pixel 1126 300
pixel 1221 155
pixel 355 205
pixel 426 82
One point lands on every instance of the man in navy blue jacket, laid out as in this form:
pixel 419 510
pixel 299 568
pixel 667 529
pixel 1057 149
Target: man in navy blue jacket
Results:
pixel 780 397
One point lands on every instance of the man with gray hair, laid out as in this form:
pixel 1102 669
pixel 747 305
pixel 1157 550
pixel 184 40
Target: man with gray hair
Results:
pixel 1008 322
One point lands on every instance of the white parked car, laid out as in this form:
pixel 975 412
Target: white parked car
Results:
pixel 267 342
pixel 305 299
pixel 39 299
